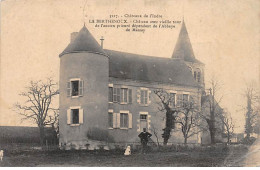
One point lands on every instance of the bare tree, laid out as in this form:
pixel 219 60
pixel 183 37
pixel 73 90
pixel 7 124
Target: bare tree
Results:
pixel 251 110
pixel 227 122
pixel 210 107
pixel 155 133
pixel 187 117
pixel 170 113
pixel 38 105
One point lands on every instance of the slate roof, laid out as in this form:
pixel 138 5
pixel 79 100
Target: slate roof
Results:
pixel 183 48
pixel 150 69
pixel 84 42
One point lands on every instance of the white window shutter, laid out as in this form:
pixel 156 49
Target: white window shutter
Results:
pixel 130 119
pixel 118 120
pixel 138 96
pixel 81 116
pixel 68 116
pixel 68 88
pixel 149 96
pixel 81 86
pixel 129 95
pixel 114 120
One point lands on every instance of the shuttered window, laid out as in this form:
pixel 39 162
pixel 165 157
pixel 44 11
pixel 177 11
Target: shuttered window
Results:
pixel 124 95
pixel 75 116
pixel 116 94
pixel 124 120
pixel 75 88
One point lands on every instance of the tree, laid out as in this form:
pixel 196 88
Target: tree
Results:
pixel 187 117
pixel 170 113
pixel 227 122
pixel 210 107
pixel 251 111
pixel 38 107
pixel 155 133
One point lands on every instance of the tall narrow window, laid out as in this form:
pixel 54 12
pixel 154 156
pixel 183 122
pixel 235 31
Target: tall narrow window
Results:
pixel 110 94
pixel 198 77
pixel 124 95
pixel 75 116
pixel 116 94
pixel 124 120
pixel 110 120
pixel 75 88
pixel 195 75
pixel 144 96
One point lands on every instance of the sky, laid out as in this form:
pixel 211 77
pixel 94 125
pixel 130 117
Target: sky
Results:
pixel 224 34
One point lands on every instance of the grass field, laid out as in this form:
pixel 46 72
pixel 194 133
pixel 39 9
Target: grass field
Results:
pixel 211 157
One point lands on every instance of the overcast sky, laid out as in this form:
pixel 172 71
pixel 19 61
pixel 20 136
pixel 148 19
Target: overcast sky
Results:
pixel 224 34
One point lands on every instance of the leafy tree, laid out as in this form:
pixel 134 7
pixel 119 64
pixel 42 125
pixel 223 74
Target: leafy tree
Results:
pixel 38 107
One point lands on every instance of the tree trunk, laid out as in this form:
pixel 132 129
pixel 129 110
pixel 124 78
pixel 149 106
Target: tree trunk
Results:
pixel 42 135
pixel 185 140
pixel 212 137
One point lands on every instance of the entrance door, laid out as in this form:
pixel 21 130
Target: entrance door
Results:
pixel 143 122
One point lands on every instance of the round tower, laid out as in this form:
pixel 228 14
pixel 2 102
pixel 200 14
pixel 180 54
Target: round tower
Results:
pixel 83 85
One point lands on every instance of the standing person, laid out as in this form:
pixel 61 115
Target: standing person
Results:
pixel 144 136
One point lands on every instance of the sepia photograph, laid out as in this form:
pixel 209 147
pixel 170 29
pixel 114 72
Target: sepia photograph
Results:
pixel 129 83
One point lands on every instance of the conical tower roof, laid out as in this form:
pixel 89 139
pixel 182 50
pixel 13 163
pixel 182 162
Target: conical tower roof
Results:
pixel 183 48
pixel 84 42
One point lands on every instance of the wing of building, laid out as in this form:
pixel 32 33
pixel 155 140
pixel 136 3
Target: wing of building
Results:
pixel 108 96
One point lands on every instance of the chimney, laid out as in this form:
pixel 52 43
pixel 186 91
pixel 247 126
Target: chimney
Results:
pixel 73 36
pixel 102 39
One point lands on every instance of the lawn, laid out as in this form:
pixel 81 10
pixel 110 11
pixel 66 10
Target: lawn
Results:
pixel 228 156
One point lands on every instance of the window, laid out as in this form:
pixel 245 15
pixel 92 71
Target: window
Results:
pixel 144 96
pixel 143 117
pixel 75 116
pixel 123 120
pixel 123 95
pixel 110 94
pixel 198 77
pixel 75 88
pixel 195 75
pixel 185 99
pixel 172 99
pixel 110 120
pixel 116 94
